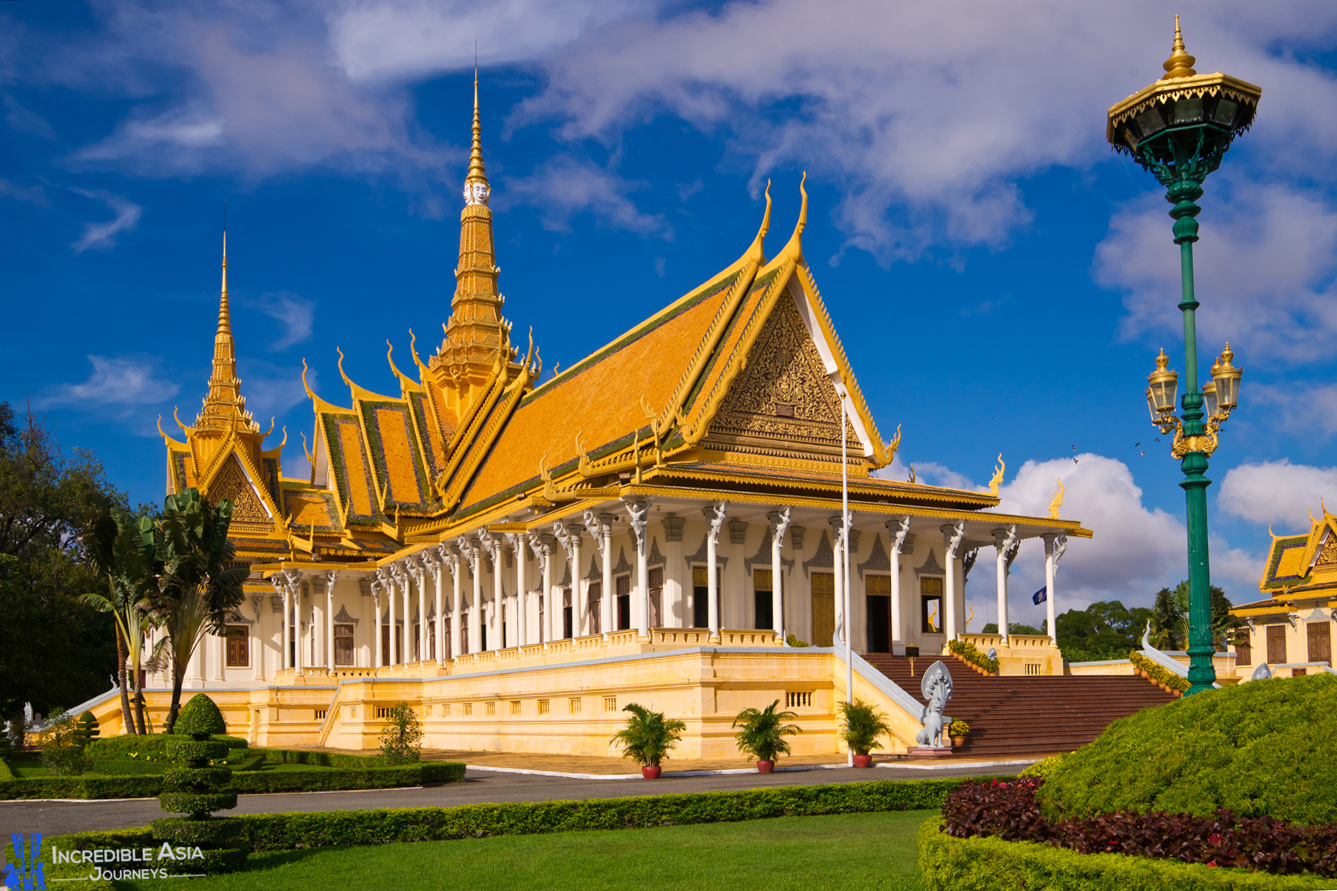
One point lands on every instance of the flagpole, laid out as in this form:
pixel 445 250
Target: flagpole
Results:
pixel 845 555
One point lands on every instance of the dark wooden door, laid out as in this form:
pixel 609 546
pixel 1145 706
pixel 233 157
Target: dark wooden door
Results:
pixel 823 609
pixel 1320 642
pixel 1276 644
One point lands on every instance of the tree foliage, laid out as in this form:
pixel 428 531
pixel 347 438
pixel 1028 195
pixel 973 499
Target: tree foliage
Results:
pixel 57 651
pixel 401 739
pixel 1104 630
pixel 1169 620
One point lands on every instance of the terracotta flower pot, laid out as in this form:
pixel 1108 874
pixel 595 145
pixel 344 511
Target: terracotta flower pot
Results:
pixel 651 772
pixel 765 766
pixel 958 741
pixel 863 760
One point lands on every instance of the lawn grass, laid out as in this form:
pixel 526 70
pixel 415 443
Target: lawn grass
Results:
pixel 834 853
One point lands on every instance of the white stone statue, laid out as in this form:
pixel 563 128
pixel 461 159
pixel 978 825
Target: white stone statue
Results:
pixel 936 686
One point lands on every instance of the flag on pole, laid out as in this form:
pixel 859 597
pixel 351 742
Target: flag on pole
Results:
pixel 1041 596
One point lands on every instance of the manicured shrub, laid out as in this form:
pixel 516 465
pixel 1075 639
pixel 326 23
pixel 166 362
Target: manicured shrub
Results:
pixel 320 759
pixel 947 863
pixel 1158 673
pixel 401 739
pixel 1009 811
pixel 87 730
pixel 970 653
pixel 424 773
pixel 141 749
pixel 1259 748
pixel 197 788
pixel 61 750
pixel 1043 767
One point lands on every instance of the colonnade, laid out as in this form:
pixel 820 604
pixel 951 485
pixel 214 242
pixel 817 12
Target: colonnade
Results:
pixel 415 585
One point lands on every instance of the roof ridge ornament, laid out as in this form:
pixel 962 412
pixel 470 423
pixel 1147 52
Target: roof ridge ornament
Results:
pixel 1180 63
pixel 757 252
pixel 794 247
pixel 477 190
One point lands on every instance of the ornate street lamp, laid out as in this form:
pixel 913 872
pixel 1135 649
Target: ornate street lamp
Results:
pixel 1177 129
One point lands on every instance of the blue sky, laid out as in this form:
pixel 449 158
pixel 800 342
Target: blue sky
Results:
pixel 1000 279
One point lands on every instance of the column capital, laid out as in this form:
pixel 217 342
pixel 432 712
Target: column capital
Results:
pixel 1004 538
pixel 639 512
pixel 597 528
pixel 953 534
pixel 491 544
pixel 779 520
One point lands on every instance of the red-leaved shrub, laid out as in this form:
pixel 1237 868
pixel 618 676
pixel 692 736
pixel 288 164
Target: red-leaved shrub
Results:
pixel 1008 809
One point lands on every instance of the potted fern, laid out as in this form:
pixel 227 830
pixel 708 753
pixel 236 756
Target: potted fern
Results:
pixel 647 738
pixel 762 732
pixel 860 726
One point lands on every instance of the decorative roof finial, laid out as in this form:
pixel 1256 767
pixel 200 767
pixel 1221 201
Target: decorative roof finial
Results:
pixel 1180 63
pixel 224 315
pixel 476 188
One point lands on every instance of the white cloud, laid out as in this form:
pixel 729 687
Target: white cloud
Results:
pixel 1269 246
pixel 1135 550
pixel 410 39
pixel 297 314
pixel 1277 492
pixel 26 121
pixel 117 384
pixel 565 187
pixel 1298 407
pixel 30 194
pixel 100 235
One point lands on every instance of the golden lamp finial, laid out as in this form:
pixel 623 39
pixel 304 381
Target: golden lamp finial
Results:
pixel 1180 63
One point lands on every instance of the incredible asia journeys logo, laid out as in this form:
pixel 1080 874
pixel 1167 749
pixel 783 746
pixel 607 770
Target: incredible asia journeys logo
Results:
pixel 29 872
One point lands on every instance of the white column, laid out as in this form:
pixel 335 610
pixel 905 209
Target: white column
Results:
pixel 431 562
pixel 419 573
pixel 281 586
pixel 398 591
pixel 715 515
pixel 518 542
pixel 1003 541
pixel 330 578
pixel 579 596
pixel 779 525
pixel 492 545
pixel 295 583
pixel 953 535
pixel 220 653
pixel 640 517
pixel 474 555
pixel 899 532
pixel 838 573
pixel 316 657
pixel 600 528
pixel 451 561
pixel 1055 546
pixel 406 594
pixel 539 548
pixel 376 588
pixel 677 574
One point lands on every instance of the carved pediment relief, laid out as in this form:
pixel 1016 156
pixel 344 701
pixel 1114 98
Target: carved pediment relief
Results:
pixel 232 484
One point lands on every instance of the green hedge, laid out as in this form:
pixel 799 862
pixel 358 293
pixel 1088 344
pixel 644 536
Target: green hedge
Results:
pixel 988 864
pixel 1261 748
pixel 281 832
pixel 5 772
pixel 320 759
pixel 425 773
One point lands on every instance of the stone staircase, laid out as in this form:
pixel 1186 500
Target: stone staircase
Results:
pixel 1018 716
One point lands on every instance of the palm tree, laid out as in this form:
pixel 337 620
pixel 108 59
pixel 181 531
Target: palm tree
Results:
pixel 647 737
pixel 1169 623
pixel 199 585
pixel 120 547
pixel 763 731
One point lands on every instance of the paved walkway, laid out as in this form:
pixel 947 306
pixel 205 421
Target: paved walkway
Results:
pixel 484 784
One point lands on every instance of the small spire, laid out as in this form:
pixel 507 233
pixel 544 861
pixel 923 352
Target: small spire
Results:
pixel 1180 63
pixel 476 171
pixel 224 315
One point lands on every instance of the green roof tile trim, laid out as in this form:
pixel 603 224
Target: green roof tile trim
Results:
pixel 340 472
pixel 421 414
pixel 1281 546
pixel 377 449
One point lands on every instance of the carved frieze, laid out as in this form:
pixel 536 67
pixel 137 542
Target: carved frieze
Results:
pixel 231 484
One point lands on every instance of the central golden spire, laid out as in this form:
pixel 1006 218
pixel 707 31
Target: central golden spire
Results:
pixel 224 406
pixel 476 333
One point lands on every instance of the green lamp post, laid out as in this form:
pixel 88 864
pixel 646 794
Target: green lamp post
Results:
pixel 1177 129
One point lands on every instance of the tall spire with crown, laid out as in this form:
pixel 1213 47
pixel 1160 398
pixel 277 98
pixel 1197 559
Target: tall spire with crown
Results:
pixel 476 332
pixel 224 406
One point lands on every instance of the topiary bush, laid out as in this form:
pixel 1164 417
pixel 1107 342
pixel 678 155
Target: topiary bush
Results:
pixel 1261 748
pixel 197 785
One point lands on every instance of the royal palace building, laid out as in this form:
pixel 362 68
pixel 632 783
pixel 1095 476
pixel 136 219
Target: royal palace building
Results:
pixel 519 556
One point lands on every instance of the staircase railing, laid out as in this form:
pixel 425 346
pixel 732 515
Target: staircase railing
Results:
pixel 1161 659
